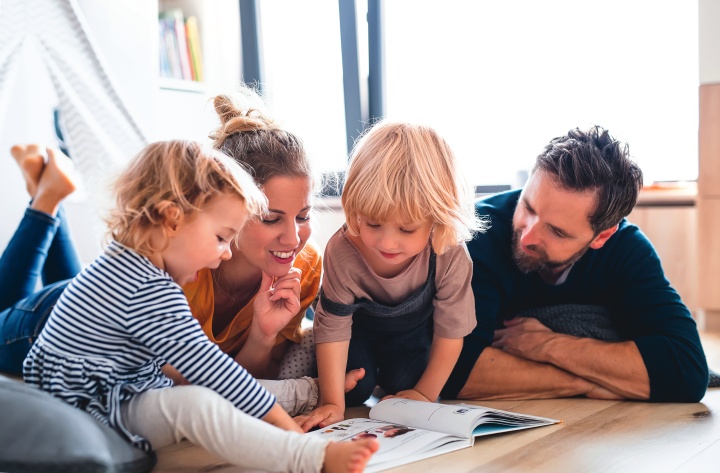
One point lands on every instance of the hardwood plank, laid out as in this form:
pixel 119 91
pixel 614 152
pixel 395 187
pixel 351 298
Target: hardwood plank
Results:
pixel 628 436
pixel 595 436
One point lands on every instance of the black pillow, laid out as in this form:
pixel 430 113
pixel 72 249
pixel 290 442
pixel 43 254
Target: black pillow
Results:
pixel 39 433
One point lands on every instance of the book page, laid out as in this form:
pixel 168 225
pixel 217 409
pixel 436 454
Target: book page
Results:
pixel 399 444
pixel 455 419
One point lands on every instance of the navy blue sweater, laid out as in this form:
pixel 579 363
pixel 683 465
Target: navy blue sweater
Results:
pixel 624 275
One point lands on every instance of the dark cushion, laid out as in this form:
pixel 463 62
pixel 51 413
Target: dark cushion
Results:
pixel 39 433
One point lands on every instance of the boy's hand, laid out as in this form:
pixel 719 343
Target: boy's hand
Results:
pixel 321 417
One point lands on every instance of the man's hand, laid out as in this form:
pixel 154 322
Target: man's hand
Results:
pixel 408 394
pixel 524 337
pixel 322 417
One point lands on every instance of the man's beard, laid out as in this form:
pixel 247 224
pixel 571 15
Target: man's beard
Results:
pixel 542 263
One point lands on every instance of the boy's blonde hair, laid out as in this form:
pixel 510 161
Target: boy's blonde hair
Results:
pixel 169 175
pixel 406 169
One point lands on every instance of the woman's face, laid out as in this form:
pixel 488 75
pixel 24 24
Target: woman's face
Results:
pixel 271 244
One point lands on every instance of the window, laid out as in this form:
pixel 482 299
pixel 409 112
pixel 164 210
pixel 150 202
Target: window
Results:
pixel 498 79
pixel 303 83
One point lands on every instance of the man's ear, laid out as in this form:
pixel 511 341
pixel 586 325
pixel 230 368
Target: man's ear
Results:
pixel 602 237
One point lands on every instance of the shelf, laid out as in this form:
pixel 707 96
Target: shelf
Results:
pixel 182 85
pixel 668 195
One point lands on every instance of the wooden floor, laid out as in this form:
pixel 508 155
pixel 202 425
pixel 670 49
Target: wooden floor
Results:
pixel 595 436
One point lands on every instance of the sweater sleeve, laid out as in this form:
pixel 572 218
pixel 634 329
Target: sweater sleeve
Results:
pixel 488 281
pixel 654 317
pixel 162 321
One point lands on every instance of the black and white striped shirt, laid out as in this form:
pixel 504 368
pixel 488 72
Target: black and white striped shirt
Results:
pixel 111 331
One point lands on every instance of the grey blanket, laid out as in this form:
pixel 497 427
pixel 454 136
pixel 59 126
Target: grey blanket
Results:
pixel 589 321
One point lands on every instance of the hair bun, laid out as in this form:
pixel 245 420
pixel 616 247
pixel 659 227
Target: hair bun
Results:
pixel 237 119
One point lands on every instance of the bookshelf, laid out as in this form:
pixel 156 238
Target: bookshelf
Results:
pixel 183 108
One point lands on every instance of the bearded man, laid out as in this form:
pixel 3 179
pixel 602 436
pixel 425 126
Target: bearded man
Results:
pixel 571 298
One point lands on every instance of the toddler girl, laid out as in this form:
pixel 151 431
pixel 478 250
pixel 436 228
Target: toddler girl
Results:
pixel 179 208
pixel 396 297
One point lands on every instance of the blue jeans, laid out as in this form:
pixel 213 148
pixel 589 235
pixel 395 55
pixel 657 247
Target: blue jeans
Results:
pixel 40 250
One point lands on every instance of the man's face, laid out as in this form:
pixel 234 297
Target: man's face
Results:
pixel 550 226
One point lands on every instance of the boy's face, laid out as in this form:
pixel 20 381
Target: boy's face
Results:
pixel 203 239
pixel 390 246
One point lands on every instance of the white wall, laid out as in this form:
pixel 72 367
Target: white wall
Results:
pixel 709 32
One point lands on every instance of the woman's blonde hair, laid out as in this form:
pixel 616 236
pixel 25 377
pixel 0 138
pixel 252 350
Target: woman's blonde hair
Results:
pixel 253 139
pixel 169 175
pixel 406 169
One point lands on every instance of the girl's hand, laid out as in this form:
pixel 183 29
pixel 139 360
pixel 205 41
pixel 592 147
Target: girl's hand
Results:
pixel 409 394
pixel 279 418
pixel 321 417
pixel 276 304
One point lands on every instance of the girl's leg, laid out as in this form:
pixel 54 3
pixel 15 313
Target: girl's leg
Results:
pixel 166 416
pixel 295 396
pixel 300 396
pixel 24 257
pixel 62 261
pixel 57 182
pixel 21 324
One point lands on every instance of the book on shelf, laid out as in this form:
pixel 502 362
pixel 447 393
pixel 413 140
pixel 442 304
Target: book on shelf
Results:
pixel 193 41
pixel 409 431
pixel 169 49
pixel 180 52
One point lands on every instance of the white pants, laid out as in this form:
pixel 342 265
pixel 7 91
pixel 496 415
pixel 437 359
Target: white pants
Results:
pixel 200 415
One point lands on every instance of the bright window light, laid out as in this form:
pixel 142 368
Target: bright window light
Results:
pixel 499 79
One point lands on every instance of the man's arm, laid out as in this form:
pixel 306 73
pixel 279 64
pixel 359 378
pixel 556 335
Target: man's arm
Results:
pixel 500 375
pixel 616 366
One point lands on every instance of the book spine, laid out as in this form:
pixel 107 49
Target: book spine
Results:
pixel 171 48
pixel 193 35
pixel 164 63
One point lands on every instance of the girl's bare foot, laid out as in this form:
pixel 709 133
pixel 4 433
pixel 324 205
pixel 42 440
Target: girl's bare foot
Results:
pixel 56 182
pixel 349 456
pixel 31 162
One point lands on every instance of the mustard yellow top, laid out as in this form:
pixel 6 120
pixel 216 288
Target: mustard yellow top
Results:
pixel 231 339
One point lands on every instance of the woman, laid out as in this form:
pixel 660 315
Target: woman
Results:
pixel 223 300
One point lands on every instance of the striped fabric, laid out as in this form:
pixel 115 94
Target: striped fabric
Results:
pixel 112 330
pixel 100 129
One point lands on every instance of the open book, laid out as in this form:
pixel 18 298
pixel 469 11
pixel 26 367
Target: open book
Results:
pixel 409 431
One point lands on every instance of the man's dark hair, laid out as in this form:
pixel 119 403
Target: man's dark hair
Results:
pixel 593 160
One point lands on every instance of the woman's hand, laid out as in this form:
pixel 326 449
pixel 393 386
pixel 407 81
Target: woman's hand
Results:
pixel 275 305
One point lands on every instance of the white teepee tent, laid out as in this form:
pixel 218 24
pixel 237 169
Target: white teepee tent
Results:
pixel 99 129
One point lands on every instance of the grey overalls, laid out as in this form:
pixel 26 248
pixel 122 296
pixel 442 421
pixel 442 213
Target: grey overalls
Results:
pixel 392 343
